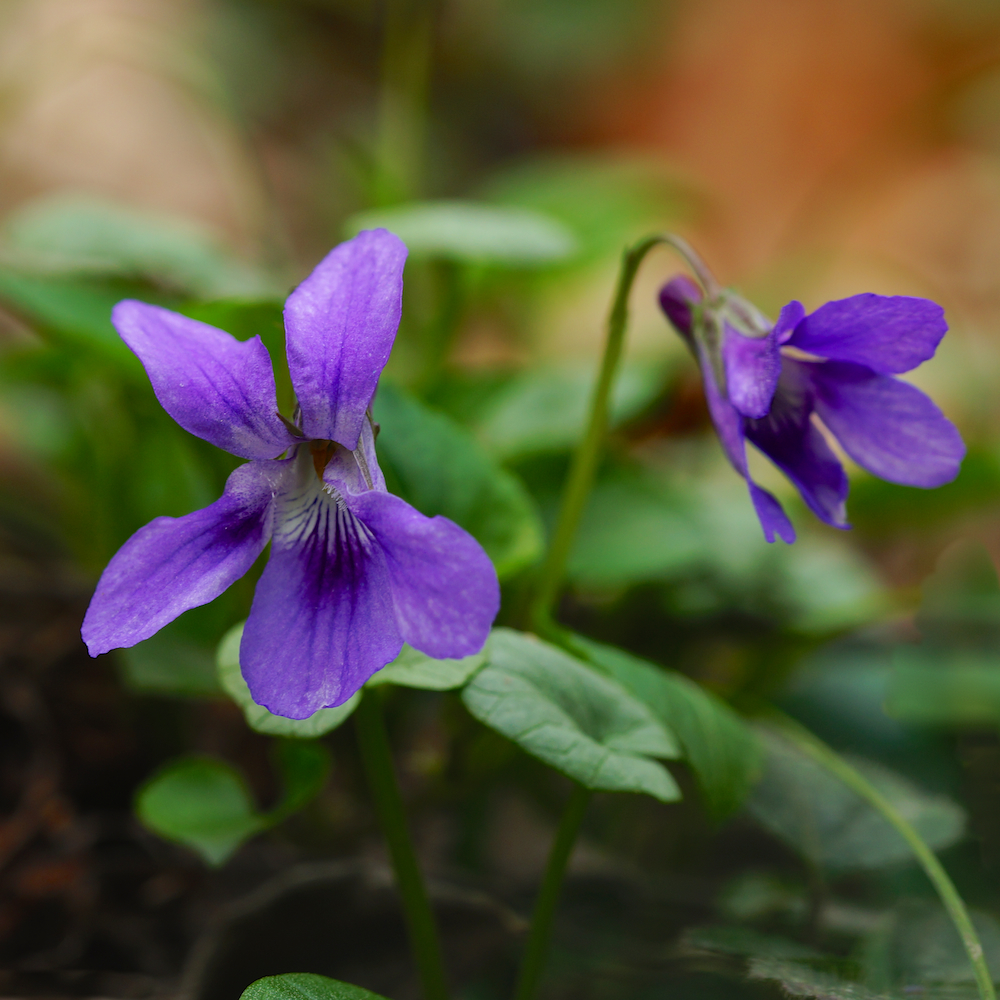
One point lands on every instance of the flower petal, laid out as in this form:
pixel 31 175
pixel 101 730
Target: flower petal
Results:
pixel 729 426
pixel 889 334
pixel 177 563
pixel 677 299
pixel 340 324
pixel 212 384
pixel 789 438
pixel 322 620
pixel 788 319
pixel 752 366
pixel 887 426
pixel 444 587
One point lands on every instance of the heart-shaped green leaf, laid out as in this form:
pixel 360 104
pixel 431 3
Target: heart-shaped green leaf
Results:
pixel 305 986
pixel 200 802
pixel 718 744
pixel 562 712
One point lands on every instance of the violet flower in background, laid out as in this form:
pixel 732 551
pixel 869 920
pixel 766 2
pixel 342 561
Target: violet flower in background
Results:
pixel 778 385
pixel 354 572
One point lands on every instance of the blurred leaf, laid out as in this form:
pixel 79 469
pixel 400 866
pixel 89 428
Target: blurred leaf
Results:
pixel 798 979
pixel 746 942
pixel 917 943
pixel 934 688
pixel 172 664
pixel 473 232
pixel 833 827
pixel 202 803
pixel 72 307
pixel 304 766
pixel 633 530
pixel 259 718
pixel 437 466
pixel 305 986
pixel 722 750
pixel 565 714
pixel 545 409
pixel 606 202
pixel 414 669
pixel 82 234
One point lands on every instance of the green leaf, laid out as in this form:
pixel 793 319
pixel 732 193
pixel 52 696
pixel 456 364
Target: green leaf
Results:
pixel 170 664
pixel 721 749
pixel 437 466
pixel 304 766
pixel 545 409
pixel 417 670
pixel 828 823
pixel 82 234
pixel 799 979
pixel 580 723
pixel 747 942
pixel 259 718
pixel 934 688
pixel 473 232
pixel 200 802
pixel 305 986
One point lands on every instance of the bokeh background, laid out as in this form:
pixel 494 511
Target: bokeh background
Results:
pixel 205 154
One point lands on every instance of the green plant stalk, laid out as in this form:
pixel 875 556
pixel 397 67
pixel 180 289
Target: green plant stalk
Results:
pixel 836 765
pixel 536 949
pixel 376 757
pixel 584 466
pixel 400 143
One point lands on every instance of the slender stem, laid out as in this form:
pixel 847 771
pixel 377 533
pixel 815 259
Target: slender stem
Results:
pixel 584 467
pixel 536 951
pixel 854 780
pixel 402 110
pixel 377 759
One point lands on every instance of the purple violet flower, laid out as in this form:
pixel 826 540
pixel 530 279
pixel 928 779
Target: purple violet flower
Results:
pixel 354 572
pixel 786 387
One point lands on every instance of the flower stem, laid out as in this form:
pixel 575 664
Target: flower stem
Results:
pixel 584 466
pixel 402 107
pixel 836 765
pixel 536 949
pixel 376 757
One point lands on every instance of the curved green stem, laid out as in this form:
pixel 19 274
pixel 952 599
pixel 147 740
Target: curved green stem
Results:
pixel 836 765
pixel 584 466
pixel 536 950
pixel 376 757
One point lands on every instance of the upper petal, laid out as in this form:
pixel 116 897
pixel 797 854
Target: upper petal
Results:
pixel 340 324
pixel 444 588
pixel 212 384
pixel 322 620
pixel 888 333
pixel 789 438
pixel 177 563
pixel 887 426
pixel 678 297
pixel 788 319
pixel 752 365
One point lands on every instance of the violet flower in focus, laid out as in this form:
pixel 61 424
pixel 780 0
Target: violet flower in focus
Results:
pixel 784 386
pixel 354 572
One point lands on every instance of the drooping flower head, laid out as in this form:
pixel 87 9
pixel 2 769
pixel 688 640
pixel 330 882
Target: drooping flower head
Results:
pixel 354 572
pixel 788 386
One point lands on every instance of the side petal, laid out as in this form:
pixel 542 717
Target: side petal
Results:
pixel 444 587
pixel 887 426
pixel 788 319
pixel 752 366
pixel 729 426
pixel 789 438
pixel 174 564
pixel 340 324
pixel 213 385
pixel 322 620
pixel 888 333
